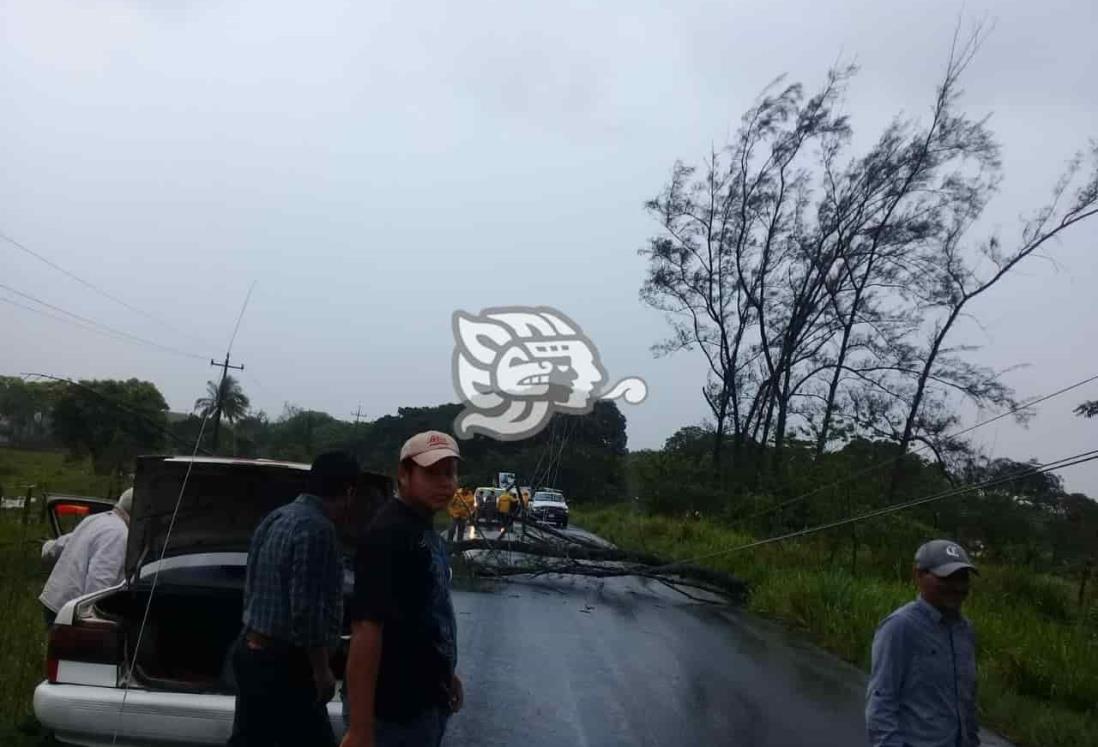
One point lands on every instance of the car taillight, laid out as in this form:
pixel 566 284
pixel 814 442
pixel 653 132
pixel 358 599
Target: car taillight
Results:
pixel 93 642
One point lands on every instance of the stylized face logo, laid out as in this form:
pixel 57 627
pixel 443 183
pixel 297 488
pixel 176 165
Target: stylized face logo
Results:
pixel 953 552
pixel 515 366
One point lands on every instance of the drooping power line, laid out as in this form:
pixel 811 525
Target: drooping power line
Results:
pixel 1071 461
pixel 92 324
pixel 93 287
pixel 886 462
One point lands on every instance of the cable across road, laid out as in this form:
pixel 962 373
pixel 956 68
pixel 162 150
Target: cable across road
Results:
pixel 886 462
pixel 1071 461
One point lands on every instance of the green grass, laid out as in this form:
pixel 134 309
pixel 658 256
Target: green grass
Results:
pixel 1038 656
pixel 22 631
pixel 48 470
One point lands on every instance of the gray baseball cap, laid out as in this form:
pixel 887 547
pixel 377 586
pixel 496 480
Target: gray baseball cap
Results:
pixel 942 557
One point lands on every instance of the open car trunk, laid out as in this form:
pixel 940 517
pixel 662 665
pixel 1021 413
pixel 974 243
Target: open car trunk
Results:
pixel 187 638
pixel 202 533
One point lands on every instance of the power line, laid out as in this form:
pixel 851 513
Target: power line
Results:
pixel 156 577
pixel 94 287
pixel 89 324
pixel 111 401
pixel 1071 461
pixel 239 317
pixel 884 463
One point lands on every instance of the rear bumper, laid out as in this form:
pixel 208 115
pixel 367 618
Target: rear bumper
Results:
pixel 88 716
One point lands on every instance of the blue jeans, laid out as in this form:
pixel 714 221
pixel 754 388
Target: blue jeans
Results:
pixel 425 730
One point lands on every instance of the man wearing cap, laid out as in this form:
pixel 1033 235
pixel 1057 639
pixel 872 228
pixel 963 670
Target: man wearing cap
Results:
pixel 922 685
pixel 89 558
pixel 401 679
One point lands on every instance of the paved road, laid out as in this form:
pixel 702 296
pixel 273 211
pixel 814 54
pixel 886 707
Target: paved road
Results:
pixel 575 661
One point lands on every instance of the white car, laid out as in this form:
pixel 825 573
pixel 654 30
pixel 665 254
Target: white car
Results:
pixel 550 507
pixel 181 688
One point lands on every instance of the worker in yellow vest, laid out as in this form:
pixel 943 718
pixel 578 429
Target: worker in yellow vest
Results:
pixel 504 504
pixel 461 508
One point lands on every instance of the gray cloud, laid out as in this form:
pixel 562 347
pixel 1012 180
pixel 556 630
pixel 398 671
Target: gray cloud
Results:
pixel 374 167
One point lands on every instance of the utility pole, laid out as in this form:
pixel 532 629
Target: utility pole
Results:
pixel 358 413
pixel 224 366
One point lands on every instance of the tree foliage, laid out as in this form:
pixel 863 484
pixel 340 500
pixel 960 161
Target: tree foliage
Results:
pixel 111 421
pixel 824 287
pixel 226 396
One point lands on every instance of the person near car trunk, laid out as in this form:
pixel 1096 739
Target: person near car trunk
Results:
pixel 293 614
pixel 401 679
pixel 922 685
pixel 89 558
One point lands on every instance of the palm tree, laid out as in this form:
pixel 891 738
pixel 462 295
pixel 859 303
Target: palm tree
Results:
pixel 231 400
pixel 228 401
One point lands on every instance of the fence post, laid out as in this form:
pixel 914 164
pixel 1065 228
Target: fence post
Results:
pixel 27 504
pixel 42 509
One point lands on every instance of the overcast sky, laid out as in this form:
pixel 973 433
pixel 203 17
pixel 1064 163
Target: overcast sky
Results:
pixel 372 167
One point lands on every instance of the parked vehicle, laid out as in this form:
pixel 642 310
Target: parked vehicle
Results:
pixel 65 512
pixel 549 506
pixel 173 675
pixel 487 510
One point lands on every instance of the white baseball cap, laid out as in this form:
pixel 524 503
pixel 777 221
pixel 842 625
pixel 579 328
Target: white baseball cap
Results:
pixel 429 447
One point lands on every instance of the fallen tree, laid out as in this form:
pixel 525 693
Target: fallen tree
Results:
pixel 584 559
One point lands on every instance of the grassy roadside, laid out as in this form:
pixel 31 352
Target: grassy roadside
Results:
pixel 22 632
pixel 1038 655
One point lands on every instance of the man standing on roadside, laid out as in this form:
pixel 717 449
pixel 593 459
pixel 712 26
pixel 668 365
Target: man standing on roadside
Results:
pixel 293 615
pixel 922 686
pixel 401 677
pixel 88 559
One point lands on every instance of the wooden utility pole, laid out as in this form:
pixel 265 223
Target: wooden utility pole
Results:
pixel 355 444
pixel 27 504
pixel 224 366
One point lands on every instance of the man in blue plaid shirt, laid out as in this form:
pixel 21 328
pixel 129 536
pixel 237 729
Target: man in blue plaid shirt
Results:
pixel 293 614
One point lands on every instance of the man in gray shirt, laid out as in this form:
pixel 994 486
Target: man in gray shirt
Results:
pixel 922 686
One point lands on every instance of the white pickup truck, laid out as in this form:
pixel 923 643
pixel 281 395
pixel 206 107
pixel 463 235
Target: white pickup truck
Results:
pixel 549 506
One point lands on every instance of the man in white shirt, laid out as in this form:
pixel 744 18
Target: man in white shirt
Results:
pixel 91 558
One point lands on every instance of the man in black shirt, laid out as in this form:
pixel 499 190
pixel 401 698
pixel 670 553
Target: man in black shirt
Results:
pixel 400 677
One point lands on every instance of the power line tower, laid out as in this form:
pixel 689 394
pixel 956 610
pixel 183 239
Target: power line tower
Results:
pixel 224 366
pixel 358 413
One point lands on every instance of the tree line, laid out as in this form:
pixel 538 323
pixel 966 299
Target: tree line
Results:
pixel 113 421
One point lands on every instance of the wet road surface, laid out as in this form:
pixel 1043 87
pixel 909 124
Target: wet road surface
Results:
pixel 562 660
pixel 571 661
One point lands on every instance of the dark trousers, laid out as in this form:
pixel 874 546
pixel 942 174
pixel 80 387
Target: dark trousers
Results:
pixel 425 730
pixel 457 529
pixel 48 615
pixel 276 702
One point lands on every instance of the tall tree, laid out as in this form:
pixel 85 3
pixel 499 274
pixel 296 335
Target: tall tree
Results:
pixel 223 400
pixel 822 288
pixel 111 421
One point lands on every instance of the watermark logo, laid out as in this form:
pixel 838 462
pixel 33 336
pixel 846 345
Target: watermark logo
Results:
pixel 515 366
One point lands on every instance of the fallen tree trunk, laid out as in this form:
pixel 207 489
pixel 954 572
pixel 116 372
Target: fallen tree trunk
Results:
pixel 592 561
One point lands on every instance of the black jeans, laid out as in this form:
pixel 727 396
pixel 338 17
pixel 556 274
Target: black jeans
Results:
pixel 48 615
pixel 276 702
